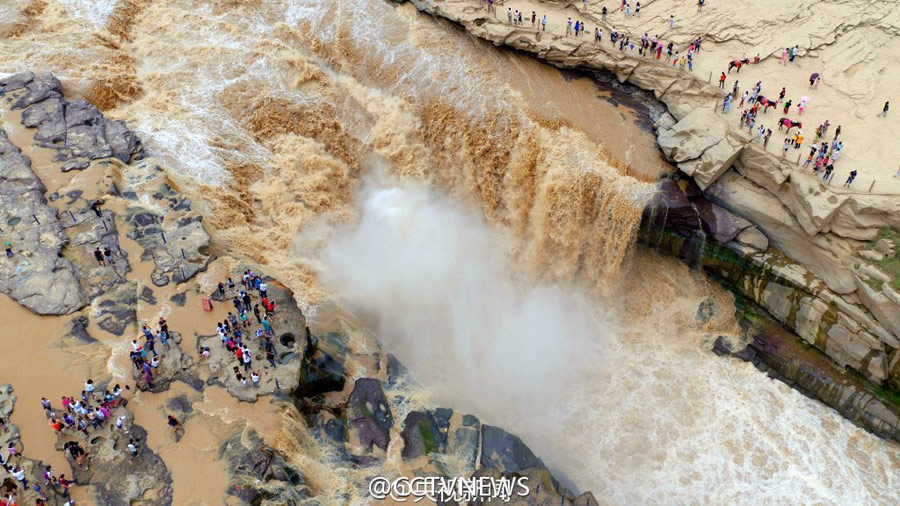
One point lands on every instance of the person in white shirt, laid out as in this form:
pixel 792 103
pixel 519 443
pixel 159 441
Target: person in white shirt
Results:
pixel 263 289
pixel 19 474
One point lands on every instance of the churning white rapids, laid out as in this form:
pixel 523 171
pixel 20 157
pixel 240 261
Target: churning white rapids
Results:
pixel 624 397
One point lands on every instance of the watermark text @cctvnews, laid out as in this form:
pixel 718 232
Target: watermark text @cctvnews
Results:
pixel 441 489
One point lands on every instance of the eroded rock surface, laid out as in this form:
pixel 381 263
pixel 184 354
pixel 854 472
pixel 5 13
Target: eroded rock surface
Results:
pixel 35 274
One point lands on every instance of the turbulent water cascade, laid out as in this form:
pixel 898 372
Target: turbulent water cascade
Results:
pixel 470 204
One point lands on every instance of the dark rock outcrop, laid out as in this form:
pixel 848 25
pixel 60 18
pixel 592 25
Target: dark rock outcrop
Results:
pixel 506 452
pixel 36 275
pixel 421 435
pixel 679 205
pixel 116 310
pixel 261 474
pixel 368 415
pixel 76 129
pixel 174 240
pixel 321 373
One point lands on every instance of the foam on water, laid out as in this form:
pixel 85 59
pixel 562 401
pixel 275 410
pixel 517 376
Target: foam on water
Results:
pixel 95 12
pixel 625 398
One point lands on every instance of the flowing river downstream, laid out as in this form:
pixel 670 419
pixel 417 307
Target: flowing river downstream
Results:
pixel 477 210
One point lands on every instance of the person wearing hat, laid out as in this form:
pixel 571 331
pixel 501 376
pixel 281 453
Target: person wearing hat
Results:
pixel 9 251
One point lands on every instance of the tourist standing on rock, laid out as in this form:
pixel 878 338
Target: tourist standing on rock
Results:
pixel 108 256
pixel 766 138
pixel 850 178
pixel 533 18
pixel 787 145
pixel 828 171
pixel 133 448
pixel 19 474
pixel 65 483
pixel 9 251
pixel 809 159
pixel 671 21
pixel 568 26
pixel 793 53
pixel 99 256
pixel 509 15
pixel 174 423
pixel 787 106
pixel 883 113
pixel 248 303
pixel 721 79
pixel 784 55
pixel 726 104
pixel 637 9
pixel 544 23
pixel 95 206
pixel 270 352
pixel 247 358
pixel 700 5
pixel 837 153
pixel 603 14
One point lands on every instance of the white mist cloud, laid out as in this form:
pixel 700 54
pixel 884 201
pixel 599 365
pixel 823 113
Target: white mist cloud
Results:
pixel 437 283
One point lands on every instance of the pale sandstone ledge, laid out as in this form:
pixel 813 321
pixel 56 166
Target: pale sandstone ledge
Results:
pixel 818 233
